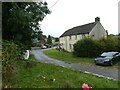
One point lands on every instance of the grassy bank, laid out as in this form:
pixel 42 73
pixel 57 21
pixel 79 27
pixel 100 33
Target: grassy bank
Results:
pixel 68 57
pixel 42 75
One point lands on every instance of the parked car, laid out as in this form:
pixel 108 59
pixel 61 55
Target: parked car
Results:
pixel 44 47
pixel 48 46
pixel 108 58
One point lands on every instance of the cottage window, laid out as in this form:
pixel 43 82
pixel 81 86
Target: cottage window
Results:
pixel 83 35
pixel 70 37
pixel 70 46
pixel 61 44
pixel 75 36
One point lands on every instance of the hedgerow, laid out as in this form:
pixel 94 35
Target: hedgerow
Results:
pixel 10 55
pixel 88 47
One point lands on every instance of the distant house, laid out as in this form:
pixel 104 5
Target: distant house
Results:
pixel 55 41
pixel 71 36
pixel 40 42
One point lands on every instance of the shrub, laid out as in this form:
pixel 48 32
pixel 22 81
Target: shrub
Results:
pixel 10 54
pixel 87 48
pixel 91 48
pixel 109 44
pixel 118 45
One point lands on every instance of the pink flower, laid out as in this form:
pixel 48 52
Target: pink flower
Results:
pixel 86 87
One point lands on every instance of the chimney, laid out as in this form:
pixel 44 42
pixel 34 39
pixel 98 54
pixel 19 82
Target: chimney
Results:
pixel 97 19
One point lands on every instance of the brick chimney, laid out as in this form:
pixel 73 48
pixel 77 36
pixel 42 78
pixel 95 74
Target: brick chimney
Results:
pixel 97 19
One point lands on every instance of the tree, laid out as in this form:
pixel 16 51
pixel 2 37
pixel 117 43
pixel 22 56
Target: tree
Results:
pixel 49 40
pixel 21 19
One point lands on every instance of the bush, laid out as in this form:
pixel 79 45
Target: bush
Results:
pixel 87 48
pixel 91 48
pixel 10 55
pixel 109 44
pixel 118 45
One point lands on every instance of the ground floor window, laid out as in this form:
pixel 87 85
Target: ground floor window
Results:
pixel 70 46
pixel 75 37
pixel 83 35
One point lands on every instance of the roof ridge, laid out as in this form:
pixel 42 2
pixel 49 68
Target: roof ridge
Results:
pixel 82 25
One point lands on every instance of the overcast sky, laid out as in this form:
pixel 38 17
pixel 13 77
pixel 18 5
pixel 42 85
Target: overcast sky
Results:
pixel 70 13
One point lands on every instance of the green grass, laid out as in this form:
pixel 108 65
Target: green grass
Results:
pixel 69 57
pixel 40 76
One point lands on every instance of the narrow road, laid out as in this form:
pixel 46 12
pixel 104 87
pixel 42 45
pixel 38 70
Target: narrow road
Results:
pixel 106 73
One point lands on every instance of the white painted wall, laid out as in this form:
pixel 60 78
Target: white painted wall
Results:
pixel 66 41
pixel 98 31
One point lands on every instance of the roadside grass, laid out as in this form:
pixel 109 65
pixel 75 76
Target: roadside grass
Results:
pixel 66 56
pixel 69 57
pixel 44 75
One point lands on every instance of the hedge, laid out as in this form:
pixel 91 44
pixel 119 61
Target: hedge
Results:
pixel 88 47
pixel 10 55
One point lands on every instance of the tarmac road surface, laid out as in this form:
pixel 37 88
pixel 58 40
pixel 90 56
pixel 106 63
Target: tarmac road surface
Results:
pixel 100 72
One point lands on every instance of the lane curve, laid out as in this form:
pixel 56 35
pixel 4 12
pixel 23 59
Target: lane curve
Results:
pixel 110 74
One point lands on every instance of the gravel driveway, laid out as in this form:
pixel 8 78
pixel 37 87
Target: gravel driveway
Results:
pixel 106 73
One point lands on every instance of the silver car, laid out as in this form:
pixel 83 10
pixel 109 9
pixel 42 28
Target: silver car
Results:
pixel 108 58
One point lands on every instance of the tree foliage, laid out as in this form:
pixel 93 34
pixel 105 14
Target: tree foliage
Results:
pixel 49 40
pixel 21 19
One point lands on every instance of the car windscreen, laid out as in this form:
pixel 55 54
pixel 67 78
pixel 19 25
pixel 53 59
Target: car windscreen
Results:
pixel 108 54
